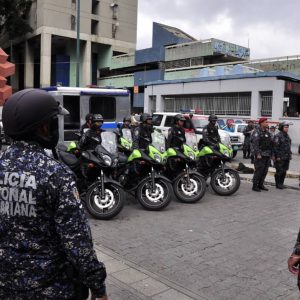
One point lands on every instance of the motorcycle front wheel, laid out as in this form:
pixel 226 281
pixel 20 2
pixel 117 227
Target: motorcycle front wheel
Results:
pixel 192 191
pixel 225 184
pixel 155 198
pixel 107 207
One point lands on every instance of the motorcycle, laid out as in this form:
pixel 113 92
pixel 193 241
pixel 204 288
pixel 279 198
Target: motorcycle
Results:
pixel 212 163
pixel 104 197
pixel 141 173
pixel 189 186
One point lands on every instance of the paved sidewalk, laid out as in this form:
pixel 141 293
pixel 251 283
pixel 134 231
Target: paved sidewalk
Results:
pixel 127 280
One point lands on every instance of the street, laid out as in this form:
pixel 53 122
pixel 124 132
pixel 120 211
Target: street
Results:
pixel 219 248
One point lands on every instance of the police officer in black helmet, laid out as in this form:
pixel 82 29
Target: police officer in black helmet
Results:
pixel 45 240
pixel 87 125
pixel 176 136
pixel 142 134
pixel 92 137
pixel 282 153
pixel 210 132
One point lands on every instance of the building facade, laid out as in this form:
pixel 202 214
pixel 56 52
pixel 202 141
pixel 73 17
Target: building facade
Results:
pixel 275 95
pixel 48 55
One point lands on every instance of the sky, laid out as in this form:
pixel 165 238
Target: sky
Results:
pixel 271 28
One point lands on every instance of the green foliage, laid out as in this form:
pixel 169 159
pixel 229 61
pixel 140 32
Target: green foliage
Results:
pixel 13 17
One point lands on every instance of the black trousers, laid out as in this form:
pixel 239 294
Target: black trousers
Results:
pixel 281 167
pixel 261 167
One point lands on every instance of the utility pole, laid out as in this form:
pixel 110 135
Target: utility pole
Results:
pixel 78 42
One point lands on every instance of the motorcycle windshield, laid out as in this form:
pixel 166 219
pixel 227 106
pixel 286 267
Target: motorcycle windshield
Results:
pixel 126 133
pixel 158 141
pixel 109 142
pixel 191 140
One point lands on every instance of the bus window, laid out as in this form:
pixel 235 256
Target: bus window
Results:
pixel 106 106
pixel 72 121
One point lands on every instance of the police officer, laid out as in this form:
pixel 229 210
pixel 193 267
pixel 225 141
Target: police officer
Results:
pixel 87 141
pixel 87 124
pixel 176 136
pixel 247 133
pixel 282 153
pixel 262 147
pixel 126 123
pixel 142 134
pixel 210 132
pixel 45 239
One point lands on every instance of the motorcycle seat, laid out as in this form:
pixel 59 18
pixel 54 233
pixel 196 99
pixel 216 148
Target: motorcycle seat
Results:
pixel 69 159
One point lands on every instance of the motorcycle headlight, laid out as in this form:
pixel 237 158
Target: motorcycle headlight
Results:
pixel 107 160
pixel 191 155
pixel 226 153
pixel 157 158
pixel 127 146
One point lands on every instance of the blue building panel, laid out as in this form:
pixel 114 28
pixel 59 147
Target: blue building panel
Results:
pixel 149 55
pixel 145 76
pixel 138 100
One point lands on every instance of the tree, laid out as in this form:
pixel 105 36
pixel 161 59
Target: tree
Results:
pixel 13 18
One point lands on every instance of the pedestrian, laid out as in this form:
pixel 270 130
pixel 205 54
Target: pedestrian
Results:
pixel 294 260
pixel 46 248
pixel 247 133
pixel 282 153
pixel 262 146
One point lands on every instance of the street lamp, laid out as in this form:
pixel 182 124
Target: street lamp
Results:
pixel 78 42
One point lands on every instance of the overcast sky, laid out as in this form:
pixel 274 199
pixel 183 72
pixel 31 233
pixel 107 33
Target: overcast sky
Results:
pixel 272 27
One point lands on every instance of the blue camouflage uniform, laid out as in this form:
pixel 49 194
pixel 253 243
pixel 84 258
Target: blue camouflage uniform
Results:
pixel 45 238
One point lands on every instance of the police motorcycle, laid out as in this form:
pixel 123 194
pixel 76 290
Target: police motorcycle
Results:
pixel 141 172
pixel 188 185
pixel 212 163
pixel 103 196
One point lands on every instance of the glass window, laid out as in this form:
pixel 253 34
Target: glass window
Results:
pixel 106 106
pixel 72 120
pixel 156 119
pixel 169 121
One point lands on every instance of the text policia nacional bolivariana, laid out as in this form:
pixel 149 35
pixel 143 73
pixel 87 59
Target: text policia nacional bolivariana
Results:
pixel 16 194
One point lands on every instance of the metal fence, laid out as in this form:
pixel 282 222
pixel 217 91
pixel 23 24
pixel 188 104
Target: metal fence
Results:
pixel 238 104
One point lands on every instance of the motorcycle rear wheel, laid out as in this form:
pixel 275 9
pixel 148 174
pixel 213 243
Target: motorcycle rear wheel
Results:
pixel 157 199
pixel 110 206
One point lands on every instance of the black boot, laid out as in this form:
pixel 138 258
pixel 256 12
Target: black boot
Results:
pixel 256 188
pixel 244 154
pixel 263 188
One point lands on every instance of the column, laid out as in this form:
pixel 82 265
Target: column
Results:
pixel 45 76
pixel 29 65
pixel 87 64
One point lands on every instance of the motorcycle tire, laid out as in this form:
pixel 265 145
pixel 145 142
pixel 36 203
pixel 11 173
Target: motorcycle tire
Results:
pixel 107 208
pixel 225 186
pixel 192 193
pixel 157 200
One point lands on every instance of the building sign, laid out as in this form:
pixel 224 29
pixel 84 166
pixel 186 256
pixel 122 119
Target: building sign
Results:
pixel 292 87
pixel 136 89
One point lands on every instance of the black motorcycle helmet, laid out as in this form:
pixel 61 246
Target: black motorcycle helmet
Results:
pixel 145 117
pixel 24 113
pixel 127 119
pixel 178 118
pixel 97 118
pixel 212 118
pixel 282 125
pixel 89 117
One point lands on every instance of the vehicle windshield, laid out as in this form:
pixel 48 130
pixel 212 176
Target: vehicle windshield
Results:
pixel 126 133
pixel 199 123
pixel 109 141
pixel 191 140
pixel 158 141
pixel 240 128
